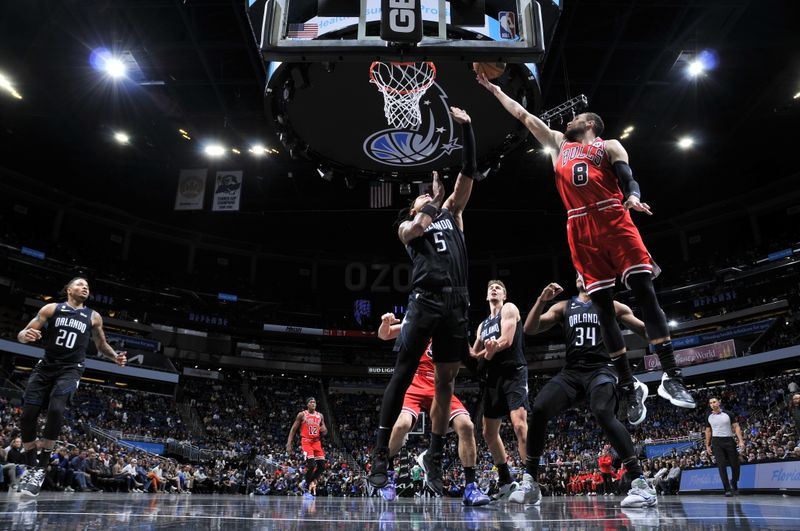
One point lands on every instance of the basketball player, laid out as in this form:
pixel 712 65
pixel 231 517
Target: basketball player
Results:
pixel 598 190
pixel 420 395
pixel 432 232
pixel 67 327
pixel 312 427
pixel 720 443
pixel 499 346
pixel 588 374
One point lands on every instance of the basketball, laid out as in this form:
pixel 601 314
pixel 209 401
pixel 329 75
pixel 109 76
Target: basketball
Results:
pixel 490 70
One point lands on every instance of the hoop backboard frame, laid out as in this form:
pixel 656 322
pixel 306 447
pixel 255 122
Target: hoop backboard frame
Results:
pixel 448 42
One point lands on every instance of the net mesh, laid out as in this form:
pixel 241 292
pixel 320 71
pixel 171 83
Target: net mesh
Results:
pixel 402 86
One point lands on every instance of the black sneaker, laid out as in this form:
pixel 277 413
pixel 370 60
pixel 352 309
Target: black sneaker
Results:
pixel 33 484
pixel 673 390
pixel 635 397
pixel 432 465
pixel 379 472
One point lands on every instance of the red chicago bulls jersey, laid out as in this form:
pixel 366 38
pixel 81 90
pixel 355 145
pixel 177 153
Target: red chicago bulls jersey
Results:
pixel 584 175
pixel 426 367
pixel 310 427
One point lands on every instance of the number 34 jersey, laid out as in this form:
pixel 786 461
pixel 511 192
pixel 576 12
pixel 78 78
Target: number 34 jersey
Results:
pixel 67 335
pixel 585 348
pixel 584 174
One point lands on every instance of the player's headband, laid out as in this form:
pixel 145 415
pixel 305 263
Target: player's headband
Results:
pixel 310 399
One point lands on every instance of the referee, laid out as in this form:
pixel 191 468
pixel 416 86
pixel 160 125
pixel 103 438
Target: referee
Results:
pixel 720 443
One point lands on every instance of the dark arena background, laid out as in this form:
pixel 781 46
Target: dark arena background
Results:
pixel 223 175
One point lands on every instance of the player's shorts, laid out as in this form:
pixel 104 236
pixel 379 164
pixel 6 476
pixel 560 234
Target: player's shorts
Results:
pixel 578 384
pixel 420 396
pixel 442 316
pixel 604 244
pixel 312 448
pixel 50 379
pixel 505 391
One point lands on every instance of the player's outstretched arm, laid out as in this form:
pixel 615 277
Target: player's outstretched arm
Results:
pixel 33 332
pixel 102 345
pixel 625 315
pixel 537 322
pixel 463 189
pixel 543 134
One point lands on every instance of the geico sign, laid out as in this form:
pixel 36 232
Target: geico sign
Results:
pixel 402 17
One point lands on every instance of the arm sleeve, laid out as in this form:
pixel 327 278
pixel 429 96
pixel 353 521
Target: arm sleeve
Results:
pixel 626 181
pixel 469 164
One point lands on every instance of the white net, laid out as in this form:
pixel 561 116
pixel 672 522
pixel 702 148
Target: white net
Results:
pixel 402 86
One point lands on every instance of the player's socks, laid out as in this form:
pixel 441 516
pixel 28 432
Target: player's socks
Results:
pixel 623 369
pixel 504 473
pixel 469 474
pixel 666 357
pixel 532 466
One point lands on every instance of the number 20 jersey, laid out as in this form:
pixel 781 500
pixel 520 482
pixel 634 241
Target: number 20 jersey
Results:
pixel 584 174
pixel 67 335
pixel 585 348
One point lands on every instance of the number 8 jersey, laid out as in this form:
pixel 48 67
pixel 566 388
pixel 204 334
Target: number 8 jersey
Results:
pixel 68 333
pixel 584 174
pixel 585 348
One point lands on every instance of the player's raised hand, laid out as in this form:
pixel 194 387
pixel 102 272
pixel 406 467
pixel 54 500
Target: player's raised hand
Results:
pixel 121 358
pixel 551 291
pixel 389 319
pixel 633 203
pixel 485 83
pixel 460 115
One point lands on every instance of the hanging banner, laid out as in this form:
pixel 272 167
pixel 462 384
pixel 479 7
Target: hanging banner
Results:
pixel 696 355
pixel 191 189
pixel 227 191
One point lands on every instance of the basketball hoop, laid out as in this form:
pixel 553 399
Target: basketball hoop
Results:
pixel 402 86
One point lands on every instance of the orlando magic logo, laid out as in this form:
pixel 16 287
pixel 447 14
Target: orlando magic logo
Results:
pixel 432 139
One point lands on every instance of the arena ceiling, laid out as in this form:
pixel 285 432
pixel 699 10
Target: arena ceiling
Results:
pixel 193 65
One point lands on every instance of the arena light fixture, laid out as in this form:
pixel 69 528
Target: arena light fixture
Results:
pixel 548 150
pixel 236 151
pixel 686 142
pixel 672 323
pixel 6 85
pixel 214 150
pixel 624 136
pixel 115 68
pixel 628 130
pixel 121 137
pixel 796 96
pixel 695 68
pixel 258 150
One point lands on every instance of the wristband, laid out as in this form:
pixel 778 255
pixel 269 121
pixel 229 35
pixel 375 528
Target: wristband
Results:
pixel 430 210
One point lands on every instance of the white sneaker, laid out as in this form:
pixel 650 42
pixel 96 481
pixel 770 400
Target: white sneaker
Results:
pixel 505 491
pixel 641 495
pixel 528 493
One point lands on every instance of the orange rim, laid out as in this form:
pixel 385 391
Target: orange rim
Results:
pixel 391 90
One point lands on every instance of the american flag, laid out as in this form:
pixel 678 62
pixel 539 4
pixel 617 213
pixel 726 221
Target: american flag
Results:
pixel 380 194
pixel 303 31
